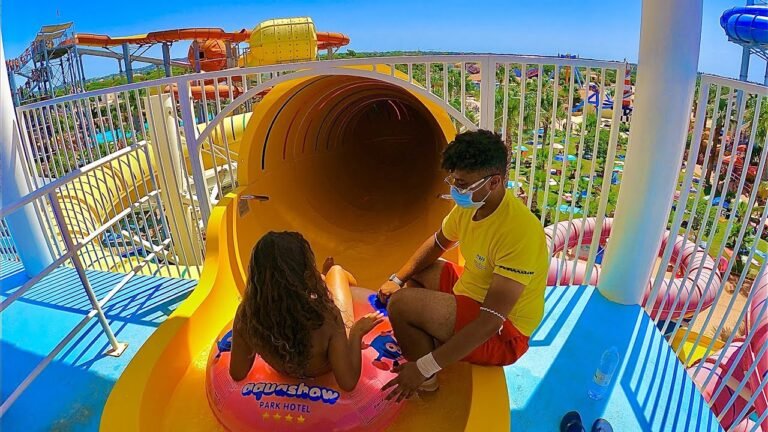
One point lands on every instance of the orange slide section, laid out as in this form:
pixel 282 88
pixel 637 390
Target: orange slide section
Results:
pixel 96 40
pixel 212 52
pixel 325 40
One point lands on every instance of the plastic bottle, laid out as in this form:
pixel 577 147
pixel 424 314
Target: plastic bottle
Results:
pixel 604 374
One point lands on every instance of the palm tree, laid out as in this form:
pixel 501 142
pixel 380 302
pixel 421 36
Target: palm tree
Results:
pixel 742 217
pixel 719 123
pixel 539 180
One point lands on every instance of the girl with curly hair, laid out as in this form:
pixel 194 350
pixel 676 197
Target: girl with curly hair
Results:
pixel 289 317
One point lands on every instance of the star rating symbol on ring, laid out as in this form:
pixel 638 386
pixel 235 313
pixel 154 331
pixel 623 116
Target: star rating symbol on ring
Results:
pixel 288 418
pixel 300 419
pixel 265 416
pixel 276 416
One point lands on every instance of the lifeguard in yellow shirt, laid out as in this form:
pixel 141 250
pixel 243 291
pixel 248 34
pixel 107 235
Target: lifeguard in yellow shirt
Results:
pixel 485 312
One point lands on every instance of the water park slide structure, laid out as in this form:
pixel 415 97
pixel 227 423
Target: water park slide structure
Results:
pixel 324 39
pixel 746 24
pixel 697 292
pixel 95 199
pixel 697 270
pixel 273 41
pixel 328 152
pixel 737 360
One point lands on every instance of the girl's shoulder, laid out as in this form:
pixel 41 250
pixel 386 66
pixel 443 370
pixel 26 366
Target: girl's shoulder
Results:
pixel 237 322
pixel 332 322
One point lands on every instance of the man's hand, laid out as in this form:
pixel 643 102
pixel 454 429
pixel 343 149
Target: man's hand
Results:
pixel 387 289
pixel 407 381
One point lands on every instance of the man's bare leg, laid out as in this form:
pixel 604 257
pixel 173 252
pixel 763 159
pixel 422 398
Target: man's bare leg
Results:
pixel 420 317
pixel 428 278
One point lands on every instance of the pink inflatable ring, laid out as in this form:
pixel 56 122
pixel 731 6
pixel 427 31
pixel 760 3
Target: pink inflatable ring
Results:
pixel 268 401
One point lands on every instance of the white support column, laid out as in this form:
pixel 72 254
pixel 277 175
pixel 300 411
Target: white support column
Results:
pixel 24 225
pixel 162 129
pixel 670 36
pixel 193 151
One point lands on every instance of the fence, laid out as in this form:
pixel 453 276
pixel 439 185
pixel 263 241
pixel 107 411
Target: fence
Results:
pixel 137 168
pixel 718 259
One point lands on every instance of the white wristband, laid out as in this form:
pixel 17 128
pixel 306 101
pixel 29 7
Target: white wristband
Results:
pixel 397 280
pixel 428 366
pixel 438 243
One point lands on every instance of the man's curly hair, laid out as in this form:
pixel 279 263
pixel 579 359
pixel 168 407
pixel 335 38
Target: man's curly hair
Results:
pixel 480 150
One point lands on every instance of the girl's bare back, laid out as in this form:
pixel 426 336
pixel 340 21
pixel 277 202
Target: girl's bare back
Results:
pixel 317 365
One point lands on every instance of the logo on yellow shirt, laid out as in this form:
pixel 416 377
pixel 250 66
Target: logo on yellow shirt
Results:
pixel 480 262
pixel 518 271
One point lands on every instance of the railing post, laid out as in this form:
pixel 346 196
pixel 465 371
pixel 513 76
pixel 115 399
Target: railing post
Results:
pixel 487 93
pixel 31 246
pixel 117 347
pixel 670 36
pixel 193 147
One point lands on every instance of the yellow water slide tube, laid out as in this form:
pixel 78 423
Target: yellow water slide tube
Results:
pixel 96 198
pixel 353 164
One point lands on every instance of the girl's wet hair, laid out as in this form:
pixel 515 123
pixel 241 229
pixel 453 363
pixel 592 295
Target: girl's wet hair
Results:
pixel 285 299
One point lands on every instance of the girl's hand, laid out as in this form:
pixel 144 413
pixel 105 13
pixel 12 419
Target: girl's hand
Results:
pixel 365 324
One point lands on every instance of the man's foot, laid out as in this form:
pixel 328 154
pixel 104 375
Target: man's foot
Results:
pixel 602 425
pixel 571 422
pixel 328 264
pixel 430 385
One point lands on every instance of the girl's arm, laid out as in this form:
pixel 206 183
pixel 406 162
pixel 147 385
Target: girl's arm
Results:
pixel 345 352
pixel 243 354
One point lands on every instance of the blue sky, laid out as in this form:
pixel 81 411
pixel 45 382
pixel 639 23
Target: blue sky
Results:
pixel 604 29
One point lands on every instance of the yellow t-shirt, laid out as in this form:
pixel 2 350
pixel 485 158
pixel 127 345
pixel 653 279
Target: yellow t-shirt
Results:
pixel 509 242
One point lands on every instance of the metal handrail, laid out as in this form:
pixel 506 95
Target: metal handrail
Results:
pixel 116 349
pixel 7 209
pixel 416 59
pixel 49 192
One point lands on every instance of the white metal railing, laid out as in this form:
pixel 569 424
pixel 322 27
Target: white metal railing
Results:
pixel 564 119
pixel 67 135
pixel 100 207
pixel 7 246
pixel 71 253
pixel 467 86
pixel 567 148
pixel 720 212
pixel 138 167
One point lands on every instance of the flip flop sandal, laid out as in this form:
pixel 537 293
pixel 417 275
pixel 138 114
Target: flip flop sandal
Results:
pixel 602 425
pixel 571 422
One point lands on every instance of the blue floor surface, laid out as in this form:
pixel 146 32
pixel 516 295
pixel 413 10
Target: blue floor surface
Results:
pixel 70 394
pixel 650 391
